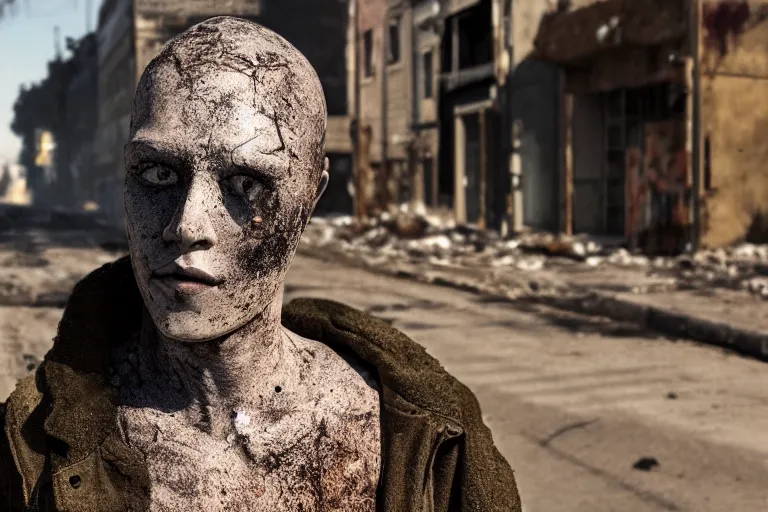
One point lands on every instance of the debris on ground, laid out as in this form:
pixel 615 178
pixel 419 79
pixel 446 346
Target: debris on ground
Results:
pixel 646 464
pixel 422 238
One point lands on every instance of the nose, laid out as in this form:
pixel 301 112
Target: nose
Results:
pixel 191 228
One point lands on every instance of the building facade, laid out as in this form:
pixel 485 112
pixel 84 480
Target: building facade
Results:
pixel 131 32
pixel 464 116
pixel 573 116
pixel 661 147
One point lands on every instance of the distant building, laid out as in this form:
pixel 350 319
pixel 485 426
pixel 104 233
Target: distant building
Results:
pixel 131 32
pixel 75 164
pixel 56 120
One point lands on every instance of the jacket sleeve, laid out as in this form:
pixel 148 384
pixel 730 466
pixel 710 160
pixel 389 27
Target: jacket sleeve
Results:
pixel 470 474
pixel 11 494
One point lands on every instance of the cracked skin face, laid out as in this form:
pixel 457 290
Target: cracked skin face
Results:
pixel 224 166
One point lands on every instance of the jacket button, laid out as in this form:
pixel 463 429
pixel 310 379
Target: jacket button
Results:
pixel 74 481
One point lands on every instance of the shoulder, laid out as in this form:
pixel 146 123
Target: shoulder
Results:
pixel 340 376
pixel 403 366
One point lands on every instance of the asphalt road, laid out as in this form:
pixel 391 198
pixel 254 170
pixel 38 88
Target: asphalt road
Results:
pixel 573 402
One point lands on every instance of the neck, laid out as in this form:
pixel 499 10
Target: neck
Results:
pixel 226 374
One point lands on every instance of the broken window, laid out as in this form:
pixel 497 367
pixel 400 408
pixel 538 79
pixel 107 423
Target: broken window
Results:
pixel 368 53
pixel 475 36
pixel 428 68
pixel 393 46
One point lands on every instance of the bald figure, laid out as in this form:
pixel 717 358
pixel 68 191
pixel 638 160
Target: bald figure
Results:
pixel 178 379
pixel 223 168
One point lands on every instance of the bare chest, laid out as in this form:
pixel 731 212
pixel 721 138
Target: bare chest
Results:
pixel 311 452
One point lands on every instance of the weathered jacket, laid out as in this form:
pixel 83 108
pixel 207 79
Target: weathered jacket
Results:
pixel 62 449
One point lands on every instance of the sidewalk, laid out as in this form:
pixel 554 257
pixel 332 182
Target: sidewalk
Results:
pixel 685 305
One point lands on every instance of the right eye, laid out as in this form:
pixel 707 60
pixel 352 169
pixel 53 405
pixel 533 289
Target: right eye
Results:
pixel 158 176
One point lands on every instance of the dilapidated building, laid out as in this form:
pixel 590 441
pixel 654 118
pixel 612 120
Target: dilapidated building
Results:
pixel 664 104
pixel 574 116
pixel 131 32
pixel 465 116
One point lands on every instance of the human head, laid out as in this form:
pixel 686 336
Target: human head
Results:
pixel 225 164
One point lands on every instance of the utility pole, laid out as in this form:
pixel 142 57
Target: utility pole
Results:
pixel 386 43
pixel 696 131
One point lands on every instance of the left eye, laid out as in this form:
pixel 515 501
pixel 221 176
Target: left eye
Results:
pixel 158 175
pixel 245 186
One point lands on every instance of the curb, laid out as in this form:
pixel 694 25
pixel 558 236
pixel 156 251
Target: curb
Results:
pixel 664 321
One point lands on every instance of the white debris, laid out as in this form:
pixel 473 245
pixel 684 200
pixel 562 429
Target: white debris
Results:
pixel 504 261
pixel 241 419
pixel 344 220
pixel 408 234
pixel 440 241
pixel 530 265
pixel 593 261
pixel 602 33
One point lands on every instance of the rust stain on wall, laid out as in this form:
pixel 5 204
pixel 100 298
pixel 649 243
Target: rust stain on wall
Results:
pixel 724 22
pixel 658 189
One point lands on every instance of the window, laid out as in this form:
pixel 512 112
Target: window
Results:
pixel 427 70
pixel 393 42
pixel 707 164
pixel 368 53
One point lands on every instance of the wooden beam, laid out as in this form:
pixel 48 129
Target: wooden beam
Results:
pixel 481 223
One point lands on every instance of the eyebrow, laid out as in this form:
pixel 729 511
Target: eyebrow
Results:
pixel 153 149
pixel 273 166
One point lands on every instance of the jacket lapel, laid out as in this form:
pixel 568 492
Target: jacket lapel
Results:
pixel 88 457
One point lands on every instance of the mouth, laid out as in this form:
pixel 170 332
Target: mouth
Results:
pixel 185 280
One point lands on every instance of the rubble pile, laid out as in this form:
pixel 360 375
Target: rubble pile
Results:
pixel 419 238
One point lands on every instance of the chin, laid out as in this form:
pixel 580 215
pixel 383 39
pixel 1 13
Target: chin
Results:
pixel 190 326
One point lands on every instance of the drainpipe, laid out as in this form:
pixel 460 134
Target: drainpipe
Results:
pixel 507 96
pixel 696 146
pixel 385 112
pixel 416 79
pixel 415 74
pixel 355 128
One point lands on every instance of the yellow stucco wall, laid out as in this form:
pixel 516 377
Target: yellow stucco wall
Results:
pixel 735 119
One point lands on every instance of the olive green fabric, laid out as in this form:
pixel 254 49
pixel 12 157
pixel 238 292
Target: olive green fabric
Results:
pixel 468 472
pixel 61 427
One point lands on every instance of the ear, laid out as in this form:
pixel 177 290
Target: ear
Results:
pixel 323 184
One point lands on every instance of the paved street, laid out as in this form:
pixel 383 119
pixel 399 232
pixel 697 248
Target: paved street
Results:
pixel 573 402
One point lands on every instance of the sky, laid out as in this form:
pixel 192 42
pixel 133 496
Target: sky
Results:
pixel 26 46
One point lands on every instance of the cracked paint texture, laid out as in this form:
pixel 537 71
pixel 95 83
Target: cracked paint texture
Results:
pixel 224 166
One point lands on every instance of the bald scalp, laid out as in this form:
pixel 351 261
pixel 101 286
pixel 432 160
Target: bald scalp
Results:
pixel 284 85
